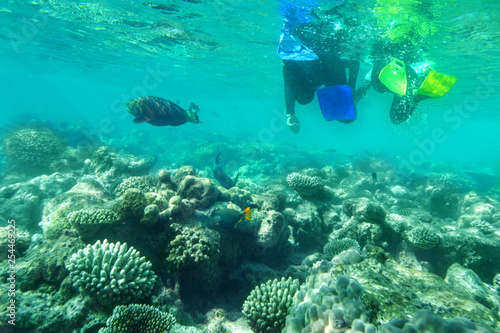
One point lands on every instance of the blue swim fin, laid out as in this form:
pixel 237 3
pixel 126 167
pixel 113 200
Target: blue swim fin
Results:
pixel 291 49
pixel 336 103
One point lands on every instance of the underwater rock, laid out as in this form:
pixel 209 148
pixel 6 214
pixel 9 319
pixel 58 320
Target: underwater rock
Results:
pixel 364 209
pixel 181 208
pixel 427 321
pixel 44 263
pixel 394 291
pixel 202 190
pixel 45 312
pixel 81 196
pixel 306 224
pixel 467 282
pixel 22 242
pixel 475 251
pixel 103 160
pixel 23 203
pixel 151 214
pixel 182 172
pixel 270 230
pixel 357 181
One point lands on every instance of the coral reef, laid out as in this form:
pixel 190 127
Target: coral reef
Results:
pixel 111 273
pixel 138 318
pixel 267 305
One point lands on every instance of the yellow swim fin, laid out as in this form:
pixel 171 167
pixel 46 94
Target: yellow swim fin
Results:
pixel 393 76
pixel 436 85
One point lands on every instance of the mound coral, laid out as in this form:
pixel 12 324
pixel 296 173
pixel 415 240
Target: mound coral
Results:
pixel 111 273
pixel 422 237
pixel 304 184
pixel 90 222
pixel 32 147
pixel 336 246
pixel 138 318
pixel 200 190
pixel 192 246
pixel 142 183
pixel 325 305
pixel 267 305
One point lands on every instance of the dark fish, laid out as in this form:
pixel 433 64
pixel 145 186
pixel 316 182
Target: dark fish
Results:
pixel 228 217
pixel 374 175
pixel 221 176
pixel 160 112
pixel 330 150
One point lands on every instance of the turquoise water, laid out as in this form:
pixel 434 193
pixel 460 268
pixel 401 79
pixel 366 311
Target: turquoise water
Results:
pixel 78 63
pixel 72 66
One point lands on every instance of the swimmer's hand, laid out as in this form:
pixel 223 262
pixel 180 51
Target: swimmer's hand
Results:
pixel 293 123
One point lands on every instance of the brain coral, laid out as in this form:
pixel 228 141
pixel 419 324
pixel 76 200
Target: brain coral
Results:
pixel 111 273
pixel 32 147
pixel 267 305
pixel 137 318
pixel 305 185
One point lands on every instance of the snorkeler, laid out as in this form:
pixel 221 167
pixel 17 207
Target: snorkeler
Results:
pixel 306 69
pixel 406 85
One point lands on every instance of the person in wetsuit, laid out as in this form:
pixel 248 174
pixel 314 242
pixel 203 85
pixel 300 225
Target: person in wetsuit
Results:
pixel 310 60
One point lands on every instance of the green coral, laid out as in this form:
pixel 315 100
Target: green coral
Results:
pixel 132 206
pixel 336 246
pixel 267 305
pixel 138 318
pixel 192 246
pixel 32 147
pixel 111 273
pixel 142 183
pixel 422 237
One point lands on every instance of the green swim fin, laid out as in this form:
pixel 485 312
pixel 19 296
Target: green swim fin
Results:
pixel 436 85
pixel 393 76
